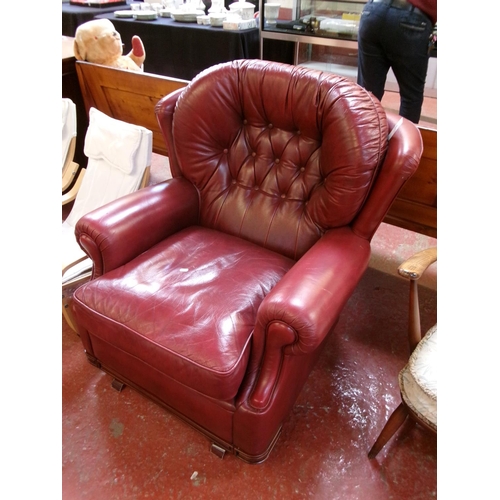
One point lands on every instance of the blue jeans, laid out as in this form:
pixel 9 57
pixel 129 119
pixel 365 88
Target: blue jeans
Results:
pixel 394 38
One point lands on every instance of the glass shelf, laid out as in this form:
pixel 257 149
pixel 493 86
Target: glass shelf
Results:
pixel 315 18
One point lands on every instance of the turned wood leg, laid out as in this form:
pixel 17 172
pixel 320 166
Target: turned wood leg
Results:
pixel 395 421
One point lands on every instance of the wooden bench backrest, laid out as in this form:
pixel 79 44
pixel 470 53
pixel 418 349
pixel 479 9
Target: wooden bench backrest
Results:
pixel 415 208
pixel 126 95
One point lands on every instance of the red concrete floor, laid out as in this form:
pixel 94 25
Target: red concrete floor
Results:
pixel 119 445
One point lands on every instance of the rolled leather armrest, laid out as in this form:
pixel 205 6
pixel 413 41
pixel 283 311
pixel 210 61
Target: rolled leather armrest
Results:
pixel 297 315
pixel 119 231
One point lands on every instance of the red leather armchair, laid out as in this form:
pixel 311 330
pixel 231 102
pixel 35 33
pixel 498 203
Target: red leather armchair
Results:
pixel 214 292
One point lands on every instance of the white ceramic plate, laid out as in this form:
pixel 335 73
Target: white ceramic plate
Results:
pixel 145 15
pixel 124 13
pixel 186 17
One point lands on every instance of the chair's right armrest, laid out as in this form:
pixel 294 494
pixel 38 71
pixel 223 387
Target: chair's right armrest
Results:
pixel 119 231
pixel 415 266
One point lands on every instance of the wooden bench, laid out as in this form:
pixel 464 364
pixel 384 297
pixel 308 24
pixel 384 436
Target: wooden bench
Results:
pixel 415 208
pixel 132 97
pixel 126 95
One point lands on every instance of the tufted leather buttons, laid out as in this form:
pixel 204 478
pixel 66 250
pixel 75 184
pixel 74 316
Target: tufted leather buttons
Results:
pixel 302 169
pixel 225 151
pixel 283 195
pixel 254 154
pixel 277 160
pixel 270 125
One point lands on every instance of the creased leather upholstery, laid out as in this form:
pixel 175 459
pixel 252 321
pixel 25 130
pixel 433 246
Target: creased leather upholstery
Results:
pixel 189 279
pixel 214 292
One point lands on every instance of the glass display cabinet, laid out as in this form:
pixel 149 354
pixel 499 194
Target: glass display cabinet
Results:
pixel 314 33
pixel 320 34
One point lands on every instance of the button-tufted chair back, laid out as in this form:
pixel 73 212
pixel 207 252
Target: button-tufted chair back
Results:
pixel 277 164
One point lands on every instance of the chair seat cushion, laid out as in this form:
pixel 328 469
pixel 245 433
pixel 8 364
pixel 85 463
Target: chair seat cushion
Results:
pixel 418 380
pixel 187 307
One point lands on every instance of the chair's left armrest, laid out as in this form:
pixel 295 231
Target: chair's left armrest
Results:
pixel 73 171
pixel 119 231
pixel 300 311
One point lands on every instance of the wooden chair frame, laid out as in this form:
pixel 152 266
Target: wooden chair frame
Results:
pixel 412 269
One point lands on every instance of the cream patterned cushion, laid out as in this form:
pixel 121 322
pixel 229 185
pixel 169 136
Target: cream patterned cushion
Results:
pixel 418 379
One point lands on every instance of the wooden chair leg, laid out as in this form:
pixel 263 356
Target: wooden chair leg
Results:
pixel 395 421
pixel 68 315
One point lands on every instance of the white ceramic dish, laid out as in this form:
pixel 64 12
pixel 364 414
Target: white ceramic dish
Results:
pixel 185 17
pixel 204 20
pixel 244 9
pixel 164 13
pixel 243 24
pixel 217 19
pixel 145 15
pixel 124 13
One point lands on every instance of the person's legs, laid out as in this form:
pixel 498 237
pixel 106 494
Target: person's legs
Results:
pixel 373 64
pixel 409 58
